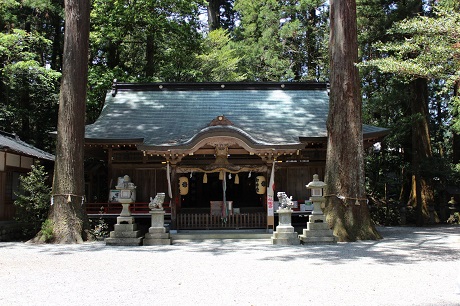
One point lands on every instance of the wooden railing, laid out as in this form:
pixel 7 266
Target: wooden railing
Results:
pixel 138 208
pixel 207 221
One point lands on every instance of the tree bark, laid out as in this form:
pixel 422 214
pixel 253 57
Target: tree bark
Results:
pixel 214 14
pixel 421 195
pixel 346 206
pixel 150 55
pixel 67 215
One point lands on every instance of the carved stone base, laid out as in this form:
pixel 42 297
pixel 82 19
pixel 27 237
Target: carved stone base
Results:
pixel 157 234
pixel 125 234
pixel 285 234
pixel 317 233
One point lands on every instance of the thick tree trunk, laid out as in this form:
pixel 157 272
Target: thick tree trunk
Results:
pixel 421 195
pixel 346 206
pixel 150 55
pixel 66 214
pixel 214 14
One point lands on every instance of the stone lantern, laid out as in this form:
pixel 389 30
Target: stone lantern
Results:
pixel 127 195
pixel 316 186
pixel 317 230
pixel 125 231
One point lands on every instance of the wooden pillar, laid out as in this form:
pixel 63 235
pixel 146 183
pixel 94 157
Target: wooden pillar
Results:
pixel 270 219
pixel 109 170
pixel 175 195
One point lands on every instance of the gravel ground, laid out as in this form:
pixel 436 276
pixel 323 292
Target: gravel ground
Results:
pixel 410 266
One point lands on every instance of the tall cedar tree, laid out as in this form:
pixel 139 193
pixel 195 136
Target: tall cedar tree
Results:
pixel 67 215
pixel 346 208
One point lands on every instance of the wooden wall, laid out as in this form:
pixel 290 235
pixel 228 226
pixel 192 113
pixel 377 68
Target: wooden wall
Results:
pixel 288 178
pixel 292 179
pixel 148 181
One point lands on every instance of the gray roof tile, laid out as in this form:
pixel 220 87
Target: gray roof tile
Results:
pixel 172 117
pixel 13 143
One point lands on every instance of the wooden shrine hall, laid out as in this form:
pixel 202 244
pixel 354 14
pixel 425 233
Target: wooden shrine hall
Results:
pixel 209 147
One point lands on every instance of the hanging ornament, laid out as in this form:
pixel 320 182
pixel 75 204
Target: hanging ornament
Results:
pixel 250 173
pixel 261 184
pixel 191 174
pixel 229 176
pixel 221 175
pixel 183 185
pixel 52 200
pixel 69 199
pixel 357 202
pixel 237 179
pixel 205 178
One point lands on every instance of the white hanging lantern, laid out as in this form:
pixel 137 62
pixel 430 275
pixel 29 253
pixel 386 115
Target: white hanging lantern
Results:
pixel 261 184
pixel 183 185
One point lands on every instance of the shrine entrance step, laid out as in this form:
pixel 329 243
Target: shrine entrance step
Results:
pixel 220 234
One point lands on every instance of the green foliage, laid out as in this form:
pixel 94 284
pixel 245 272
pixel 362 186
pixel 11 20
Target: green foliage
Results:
pixel 386 214
pixel 99 228
pixel 454 218
pixel 47 231
pixel 29 99
pixel 219 61
pixel 149 40
pixel 424 47
pixel 282 40
pixel 33 201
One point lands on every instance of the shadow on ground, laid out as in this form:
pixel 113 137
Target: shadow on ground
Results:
pixel 400 245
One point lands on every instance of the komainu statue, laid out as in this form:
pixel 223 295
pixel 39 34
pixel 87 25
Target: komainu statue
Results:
pixel 285 201
pixel 157 202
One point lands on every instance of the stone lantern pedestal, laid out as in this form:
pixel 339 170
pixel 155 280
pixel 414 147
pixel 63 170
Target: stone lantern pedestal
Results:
pixel 285 234
pixel 317 230
pixel 157 234
pixel 125 231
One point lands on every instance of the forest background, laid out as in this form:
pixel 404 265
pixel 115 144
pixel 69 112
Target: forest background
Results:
pixel 409 54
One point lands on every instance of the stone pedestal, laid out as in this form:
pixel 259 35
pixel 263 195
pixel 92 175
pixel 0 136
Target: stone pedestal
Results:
pixel 285 234
pixel 317 231
pixel 157 234
pixel 125 231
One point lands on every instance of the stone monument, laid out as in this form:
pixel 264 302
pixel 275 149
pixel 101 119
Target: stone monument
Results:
pixel 285 234
pixel 125 231
pixel 157 234
pixel 317 230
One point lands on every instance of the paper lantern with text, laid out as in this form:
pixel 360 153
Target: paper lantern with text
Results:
pixel 183 185
pixel 261 184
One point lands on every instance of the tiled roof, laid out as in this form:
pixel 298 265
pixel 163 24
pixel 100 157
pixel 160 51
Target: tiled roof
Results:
pixel 13 143
pixel 173 114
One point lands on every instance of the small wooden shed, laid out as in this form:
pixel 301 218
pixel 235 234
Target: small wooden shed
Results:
pixel 16 159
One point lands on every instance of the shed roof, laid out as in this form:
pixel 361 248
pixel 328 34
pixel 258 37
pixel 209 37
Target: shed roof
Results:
pixel 13 143
pixel 177 115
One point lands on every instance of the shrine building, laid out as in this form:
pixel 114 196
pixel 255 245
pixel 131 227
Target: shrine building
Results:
pixel 210 147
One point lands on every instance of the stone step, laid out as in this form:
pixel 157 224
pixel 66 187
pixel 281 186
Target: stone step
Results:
pixel 125 234
pixel 318 233
pixel 210 234
pixel 123 241
pixel 317 240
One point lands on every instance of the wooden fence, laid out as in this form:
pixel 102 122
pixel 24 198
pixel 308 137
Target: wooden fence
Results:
pixel 208 221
